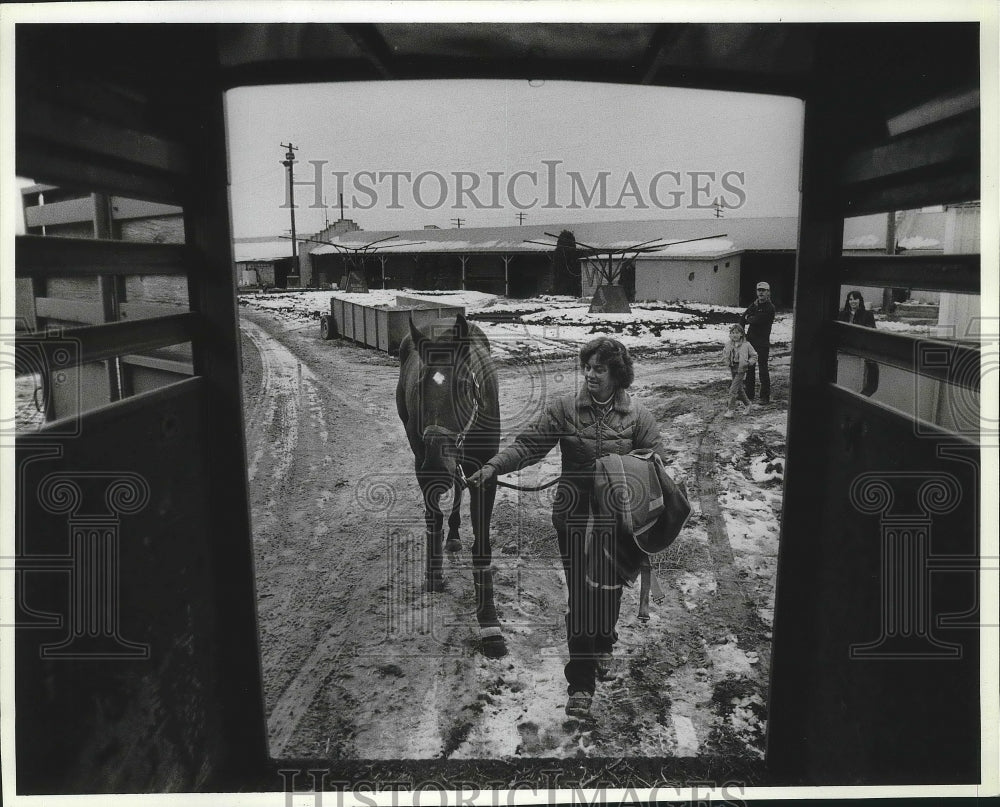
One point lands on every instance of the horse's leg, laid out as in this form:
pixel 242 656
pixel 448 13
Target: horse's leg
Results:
pixel 481 507
pixel 433 522
pixel 645 573
pixel 454 543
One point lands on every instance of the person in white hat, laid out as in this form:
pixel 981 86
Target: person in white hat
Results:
pixel 759 317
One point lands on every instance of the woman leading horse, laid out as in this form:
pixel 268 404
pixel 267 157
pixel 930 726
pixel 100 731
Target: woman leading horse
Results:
pixel 601 419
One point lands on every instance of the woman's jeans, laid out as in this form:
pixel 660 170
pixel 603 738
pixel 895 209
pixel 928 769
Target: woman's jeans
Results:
pixel 593 606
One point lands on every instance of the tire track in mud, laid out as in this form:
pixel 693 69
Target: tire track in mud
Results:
pixel 339 679
pixel 291 401
pixel 276 368
pixel 715 620
pixel 733 600
pixel 708 499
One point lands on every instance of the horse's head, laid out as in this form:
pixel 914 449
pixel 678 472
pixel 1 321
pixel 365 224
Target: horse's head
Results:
pixel 449 397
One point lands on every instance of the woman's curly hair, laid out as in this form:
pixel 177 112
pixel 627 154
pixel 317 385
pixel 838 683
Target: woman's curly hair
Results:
pixel 615 355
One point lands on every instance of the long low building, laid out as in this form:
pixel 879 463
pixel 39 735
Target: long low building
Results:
pixel 521 261
pixel 703 260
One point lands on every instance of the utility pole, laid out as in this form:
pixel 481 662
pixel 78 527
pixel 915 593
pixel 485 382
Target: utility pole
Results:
pixel 458 223
pixel 289 163
pixel 521 217
pixel 718 208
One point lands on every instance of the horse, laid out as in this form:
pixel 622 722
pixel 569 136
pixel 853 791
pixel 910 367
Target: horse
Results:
pixel 448 401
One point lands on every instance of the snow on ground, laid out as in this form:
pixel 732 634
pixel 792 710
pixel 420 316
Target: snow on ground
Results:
pixel 520 711
pixel 712 682
pixel 553 325
pixel 547 325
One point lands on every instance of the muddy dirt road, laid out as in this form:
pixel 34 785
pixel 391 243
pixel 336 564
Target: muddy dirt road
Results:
pixel 360 663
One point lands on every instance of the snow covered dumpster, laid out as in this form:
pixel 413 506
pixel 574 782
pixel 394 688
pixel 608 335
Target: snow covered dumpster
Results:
pixel 380 325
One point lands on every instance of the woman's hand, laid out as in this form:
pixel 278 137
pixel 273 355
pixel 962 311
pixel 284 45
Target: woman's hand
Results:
pixel 483 476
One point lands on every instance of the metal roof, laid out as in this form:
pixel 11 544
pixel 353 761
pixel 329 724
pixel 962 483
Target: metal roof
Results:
pixel 915 230
pixel 778 233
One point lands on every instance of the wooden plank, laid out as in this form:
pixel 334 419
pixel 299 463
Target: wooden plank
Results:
pixel 99 98
pixel 937 109
pixel 953 362
pixel 68 169
pixel 37 256
pixel 870 408
pixel 134 311
pixel 41 120
pixel 955 273
pixel 70 310
pixel 67 211
pixel 800 559
pixel 157 290
pixel 98 342
pixel 217 357
pixel 958 185
pixel 955 141
pixel 123 208
pixel 156 363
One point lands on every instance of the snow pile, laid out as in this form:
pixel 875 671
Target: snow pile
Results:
pixel 765 469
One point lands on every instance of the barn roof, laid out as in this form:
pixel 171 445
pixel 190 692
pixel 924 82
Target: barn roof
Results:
pixel 736 235
pixel 914 230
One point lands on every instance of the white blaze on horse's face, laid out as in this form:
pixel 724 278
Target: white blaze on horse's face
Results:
pixel 440 423
pixel 437 404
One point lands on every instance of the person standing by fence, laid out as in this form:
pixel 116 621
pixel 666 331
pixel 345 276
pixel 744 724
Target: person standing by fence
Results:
pixel 759 317
pixel 855 313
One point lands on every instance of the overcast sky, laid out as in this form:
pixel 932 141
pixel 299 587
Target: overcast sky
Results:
pixel 616 152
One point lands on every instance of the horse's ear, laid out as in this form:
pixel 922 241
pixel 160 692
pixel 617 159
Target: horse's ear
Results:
pixel 461 328
pixel 416 335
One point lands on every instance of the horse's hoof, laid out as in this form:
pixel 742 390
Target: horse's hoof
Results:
pixel 453 545
pixel 494 646
pixel 434 584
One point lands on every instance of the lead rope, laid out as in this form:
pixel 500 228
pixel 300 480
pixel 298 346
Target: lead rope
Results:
pixel 499 484
pixel 460 441
pixel 528 488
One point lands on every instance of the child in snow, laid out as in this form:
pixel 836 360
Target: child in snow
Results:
pixel 739 356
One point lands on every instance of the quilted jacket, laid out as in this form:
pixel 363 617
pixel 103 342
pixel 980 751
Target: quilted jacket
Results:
pixel 741 354
pixel 582 434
